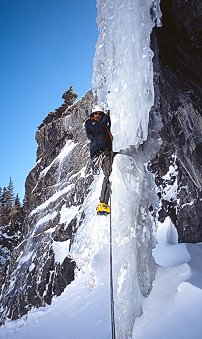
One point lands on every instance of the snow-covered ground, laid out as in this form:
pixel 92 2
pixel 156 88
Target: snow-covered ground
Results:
pixel 172 310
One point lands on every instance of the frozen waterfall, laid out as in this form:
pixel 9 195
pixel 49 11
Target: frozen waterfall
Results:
pixel 123 83
pixel 123 72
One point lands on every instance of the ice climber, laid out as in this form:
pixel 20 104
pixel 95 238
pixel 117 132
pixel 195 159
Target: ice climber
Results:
pixel 98 131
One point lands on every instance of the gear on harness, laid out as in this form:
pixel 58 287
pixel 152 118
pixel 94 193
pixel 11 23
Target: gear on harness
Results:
pixel 95 169
pixel 96 163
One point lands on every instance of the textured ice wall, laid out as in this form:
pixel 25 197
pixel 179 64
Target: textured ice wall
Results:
pixel 123 82
pixel 123 72
pixel 132 233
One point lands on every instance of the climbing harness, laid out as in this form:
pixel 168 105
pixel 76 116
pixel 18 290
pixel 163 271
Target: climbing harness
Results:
pixel 111 278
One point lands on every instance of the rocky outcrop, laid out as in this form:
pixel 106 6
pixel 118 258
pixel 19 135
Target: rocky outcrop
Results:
pixel 51 138
pixel 178 79
pixel 56 187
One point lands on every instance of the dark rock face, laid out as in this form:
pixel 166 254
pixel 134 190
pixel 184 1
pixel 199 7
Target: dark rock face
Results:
pixel 55 190
pixel 51 138
pixel 178 80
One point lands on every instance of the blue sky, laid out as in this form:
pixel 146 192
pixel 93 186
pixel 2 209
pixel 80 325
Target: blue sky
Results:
pixel 45 46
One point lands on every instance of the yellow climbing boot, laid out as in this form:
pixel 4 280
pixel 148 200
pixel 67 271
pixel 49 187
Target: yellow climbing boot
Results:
pixel 103 208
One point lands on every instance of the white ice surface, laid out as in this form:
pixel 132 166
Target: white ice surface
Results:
pixel 123 69
pixel 61 250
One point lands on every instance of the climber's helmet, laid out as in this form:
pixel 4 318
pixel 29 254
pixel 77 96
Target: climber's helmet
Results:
pixel 97 108
pixel 97 112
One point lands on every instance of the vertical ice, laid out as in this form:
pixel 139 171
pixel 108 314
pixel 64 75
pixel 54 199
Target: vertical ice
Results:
pixel 123 73
pixel 123 82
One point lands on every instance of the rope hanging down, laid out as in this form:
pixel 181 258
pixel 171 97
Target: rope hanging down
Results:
pixel 111 280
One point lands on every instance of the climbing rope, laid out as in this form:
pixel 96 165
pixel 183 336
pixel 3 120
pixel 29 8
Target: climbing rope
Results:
pixel 111 278
pixel 96 164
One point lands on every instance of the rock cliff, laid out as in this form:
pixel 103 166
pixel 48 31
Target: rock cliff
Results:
pixel 38 269
pixel 178 87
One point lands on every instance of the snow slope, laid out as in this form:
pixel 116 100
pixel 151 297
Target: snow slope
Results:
pixel 173 309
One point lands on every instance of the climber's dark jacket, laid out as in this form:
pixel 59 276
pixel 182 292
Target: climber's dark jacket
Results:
pixel 99 134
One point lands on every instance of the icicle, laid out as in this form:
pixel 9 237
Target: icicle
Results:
pixel 123 72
